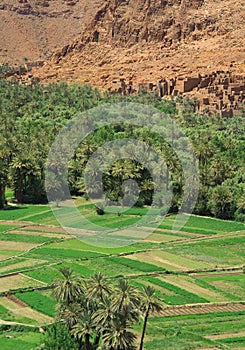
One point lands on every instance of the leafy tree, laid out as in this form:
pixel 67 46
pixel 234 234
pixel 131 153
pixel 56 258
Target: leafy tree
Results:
pixel 57 337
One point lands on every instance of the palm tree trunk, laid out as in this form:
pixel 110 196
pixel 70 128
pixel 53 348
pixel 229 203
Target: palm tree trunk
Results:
pixel 2 196
pixel 144 329
pixel 87 342
pixel 97 339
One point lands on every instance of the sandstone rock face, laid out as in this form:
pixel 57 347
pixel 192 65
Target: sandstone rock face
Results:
pixel 33 29
pixel 190 47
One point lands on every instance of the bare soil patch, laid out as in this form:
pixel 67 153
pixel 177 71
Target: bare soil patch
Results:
pixel 17 281
pixel 225 335
pixel 25 311
pixel 19 246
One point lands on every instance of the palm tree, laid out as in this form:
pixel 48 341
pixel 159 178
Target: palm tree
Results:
pixel 126 301
pixel 98 287
pixel 150 304
pixel 118 337
pixel 104 315
pixel 70 315
pixel 69 288
pixel 84 328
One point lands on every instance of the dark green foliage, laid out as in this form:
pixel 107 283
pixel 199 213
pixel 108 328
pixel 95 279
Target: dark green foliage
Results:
pixel 32 115
pixel 57 337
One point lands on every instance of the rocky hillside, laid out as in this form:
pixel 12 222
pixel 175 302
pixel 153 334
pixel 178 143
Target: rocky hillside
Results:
pixel 33 29
pixel 173 46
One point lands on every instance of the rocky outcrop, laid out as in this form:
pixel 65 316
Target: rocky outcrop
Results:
pixel 34 29
pixel 171 46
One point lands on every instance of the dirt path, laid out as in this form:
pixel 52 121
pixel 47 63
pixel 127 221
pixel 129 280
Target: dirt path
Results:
pixel 203 308
pixel 10 323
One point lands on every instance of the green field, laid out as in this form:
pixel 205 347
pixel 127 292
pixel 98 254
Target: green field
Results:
pixel 162 260
pixel 195 331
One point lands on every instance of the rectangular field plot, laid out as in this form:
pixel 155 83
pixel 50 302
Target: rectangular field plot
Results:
pixel 23 312
pixel 194 331
pixel 20 340
pixel 233 285
pixel 168 260
pixel 57 254
pixel 9 316
pixel 38 301
pixel 75 244
pixel 17 281
pixel 46 275
pixel 204 291
pixel 24 212
pixel 223 251
pixel 4 228
pixel 170 293
pixel 20 264
pixel 160 237
pixel 110 267
pixel 203 225
pixel 18 246
pixel 26 238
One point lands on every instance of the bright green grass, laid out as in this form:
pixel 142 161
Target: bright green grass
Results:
pixel 204 284
pixel 4 228
pixel 136 265
pixel 195 224
pixel 108 267
pixel 21 212
pixel 19 340
pixel 26 238
pixel 219 252
pixel 214 224
pixel 48 253
pixel 39 302
pixel 188 331
pixel 42 218
pixel 77 244
pixel 9 193
pixel 47 274
pixel 181 295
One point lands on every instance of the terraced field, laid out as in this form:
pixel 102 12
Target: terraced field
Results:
pixel 200 265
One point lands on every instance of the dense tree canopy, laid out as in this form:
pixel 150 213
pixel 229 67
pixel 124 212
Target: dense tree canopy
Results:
pixel 32 115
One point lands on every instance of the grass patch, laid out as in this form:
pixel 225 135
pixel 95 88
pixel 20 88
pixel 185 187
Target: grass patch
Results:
pixel 77 244
pixel 136 265
pixel 39 302
pixel 53 254
pixel 47 275
pixel 26 238
pixel 181 295
pixel 4 228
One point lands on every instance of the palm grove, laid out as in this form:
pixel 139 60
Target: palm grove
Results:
pixel 98 314
pixel 32 115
